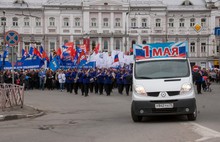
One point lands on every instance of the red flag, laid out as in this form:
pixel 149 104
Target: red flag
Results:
pixel 37 53
pixel 58 53
pixel 116 59
pixel 69 44
pixel 96 49
pixel 82 56
pixel 43 54
pixel 86 42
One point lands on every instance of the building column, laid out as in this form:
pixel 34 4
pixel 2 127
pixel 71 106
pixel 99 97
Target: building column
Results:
pixel 111 43
pixel 71 38
pixel 100 43
pixel 112 21
pixel 99 22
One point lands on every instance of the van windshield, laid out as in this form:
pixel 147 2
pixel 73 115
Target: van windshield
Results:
pixel 159 69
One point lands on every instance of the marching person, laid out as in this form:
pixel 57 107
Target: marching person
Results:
pixel 42 78
pixel 108 82
pixel 120 84
pixel 127 79
pixel 76 81
pixel 62 80
pixel 100 81
pixel 86 81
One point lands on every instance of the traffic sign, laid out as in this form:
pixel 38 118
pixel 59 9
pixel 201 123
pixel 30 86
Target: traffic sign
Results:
pixel 12 38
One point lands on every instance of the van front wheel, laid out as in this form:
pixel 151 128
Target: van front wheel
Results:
pixel 135 117
pixel 192 117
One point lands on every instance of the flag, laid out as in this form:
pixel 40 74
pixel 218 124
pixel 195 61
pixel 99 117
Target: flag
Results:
pixel 37 53
pixel 82 57
pixel 25 55
pixel 58 53
pixel 86 42
pixel 116 59
pixel 139 52
pixel 31 50
pixel 43 54
pixel 96 49
pixel 69 45
pixel 54 65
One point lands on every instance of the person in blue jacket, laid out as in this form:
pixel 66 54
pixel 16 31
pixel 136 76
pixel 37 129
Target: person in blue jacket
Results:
pixel 100 80
pixel 86 81
pixel 81 75
pixel 120 84
pixel 127 80
pixel 108 82
pixel 75 81
pixel 69 80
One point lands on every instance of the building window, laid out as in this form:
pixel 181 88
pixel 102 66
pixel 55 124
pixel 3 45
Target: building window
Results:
pixel 133 22
pixel 15 21
pixel 26 21
pixel 182 22
pixel 203 22
pixel 171 22
pixel 117 22
pixel 93 22
pixel 105 45
pixel 3 21
pixel 203 47
pixel 52 46
pixel 77 22
pixel 38 22
pixel 192 47
pixel 144 23
pixel 105 22
pixel 192 22
pixel 52 21
pixel 117 44
pixel 66 22
pixel 158 22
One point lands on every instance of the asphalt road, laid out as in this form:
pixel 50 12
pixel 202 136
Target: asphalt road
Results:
pixel 74 118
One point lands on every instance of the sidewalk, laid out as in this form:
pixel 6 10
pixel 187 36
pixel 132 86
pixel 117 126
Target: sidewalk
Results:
pixel 18 113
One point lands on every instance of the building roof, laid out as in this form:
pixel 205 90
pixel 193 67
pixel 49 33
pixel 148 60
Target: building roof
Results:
pixel 38 3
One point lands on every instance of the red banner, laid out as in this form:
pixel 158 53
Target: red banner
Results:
pixel 86 42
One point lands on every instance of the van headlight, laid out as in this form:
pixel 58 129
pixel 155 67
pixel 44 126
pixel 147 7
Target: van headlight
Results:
pixel 186 88
pixel 140 90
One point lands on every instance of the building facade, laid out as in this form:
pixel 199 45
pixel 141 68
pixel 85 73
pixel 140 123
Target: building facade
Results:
pixel 114 24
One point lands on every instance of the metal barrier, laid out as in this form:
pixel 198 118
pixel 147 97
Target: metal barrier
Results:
pixel 11 95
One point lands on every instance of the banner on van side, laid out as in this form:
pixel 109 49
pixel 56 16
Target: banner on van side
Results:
pixel 160 50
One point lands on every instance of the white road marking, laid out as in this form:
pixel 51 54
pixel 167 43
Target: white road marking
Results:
pixel 203 131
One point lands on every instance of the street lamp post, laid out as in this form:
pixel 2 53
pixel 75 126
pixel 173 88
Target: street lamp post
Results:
pixel 126 32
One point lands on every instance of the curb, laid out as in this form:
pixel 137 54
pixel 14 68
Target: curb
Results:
pixel 20 116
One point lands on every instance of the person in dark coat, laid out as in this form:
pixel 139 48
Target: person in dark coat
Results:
pixel 100 81
pixel 120 84
pixel 86 81
pixel 198 80
pixel 127 80
pixel 108 82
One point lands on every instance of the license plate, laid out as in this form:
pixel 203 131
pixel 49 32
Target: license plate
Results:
pixel 164 105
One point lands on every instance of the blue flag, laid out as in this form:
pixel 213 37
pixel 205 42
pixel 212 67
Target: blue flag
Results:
pixel 54 65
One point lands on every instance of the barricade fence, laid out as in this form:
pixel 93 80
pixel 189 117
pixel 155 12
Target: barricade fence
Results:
pixel 11 95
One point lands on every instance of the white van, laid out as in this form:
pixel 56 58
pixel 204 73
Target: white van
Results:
pixel 162 81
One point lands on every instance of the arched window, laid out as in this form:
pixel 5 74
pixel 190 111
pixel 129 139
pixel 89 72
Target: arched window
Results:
pixel 66 22
pixel 15 21
pixel 26 21
pixel 182 22
pixel 117 44
pixel 192 22
pixel 144 22
pixel 105 22
pixel 203 22
pixel 133 22
pixel 105 45
pixel 158 22
pixel 38 22
pixel 171 22
pixel 52 21
pixel 3 21
pixel 77 22
pixel 117 22
pixel 93 22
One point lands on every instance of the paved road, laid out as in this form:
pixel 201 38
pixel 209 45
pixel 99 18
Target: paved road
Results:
pixel 74 118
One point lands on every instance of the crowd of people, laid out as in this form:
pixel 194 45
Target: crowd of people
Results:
pixel 203 78
pixel 98 80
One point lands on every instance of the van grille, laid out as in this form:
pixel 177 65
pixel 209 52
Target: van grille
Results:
pixel 170 93
pixel 164 110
